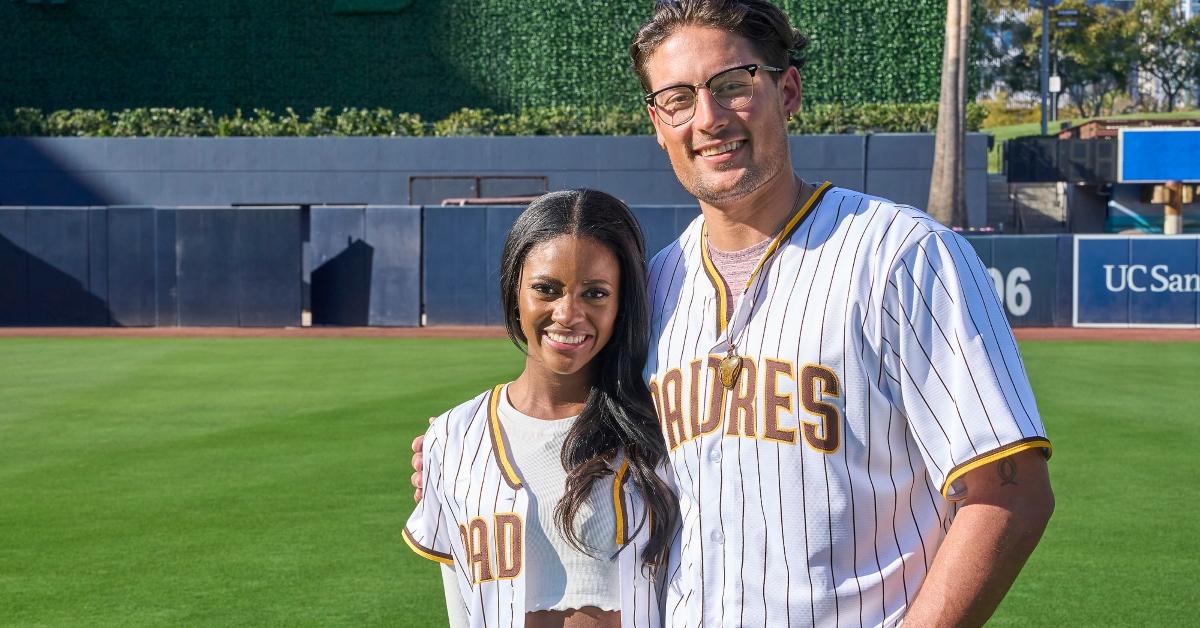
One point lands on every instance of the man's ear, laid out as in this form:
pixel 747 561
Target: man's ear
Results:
pixel 791 90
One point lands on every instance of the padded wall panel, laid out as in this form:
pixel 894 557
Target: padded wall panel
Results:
pixel 57 243
pixel 166 272
pixel 14 268
pixel 1145 280
pixel 341 262
pixel 267 258
pixel 1065 298
pixel 1100 263
pixel 131 266
pixel 1025 275
pixel 454 281
pixel 205 243
pixel 500 220
pixel 395 235
pixel 1029 269
pixel 98 264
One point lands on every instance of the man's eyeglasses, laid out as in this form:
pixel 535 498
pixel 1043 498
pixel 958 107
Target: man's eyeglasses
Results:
pixel 732 89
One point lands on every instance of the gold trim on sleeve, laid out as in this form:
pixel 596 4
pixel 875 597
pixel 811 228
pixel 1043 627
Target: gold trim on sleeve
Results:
pixel 425 552
pixel 1036 442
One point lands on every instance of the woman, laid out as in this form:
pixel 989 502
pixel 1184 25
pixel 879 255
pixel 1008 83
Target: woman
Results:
pixel 541 496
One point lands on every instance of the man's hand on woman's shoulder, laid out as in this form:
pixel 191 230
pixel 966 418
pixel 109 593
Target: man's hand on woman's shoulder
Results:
pixel 416 479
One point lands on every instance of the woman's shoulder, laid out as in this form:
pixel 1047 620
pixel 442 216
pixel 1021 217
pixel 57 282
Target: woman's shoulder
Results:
pixel 471 406
pixel 472 413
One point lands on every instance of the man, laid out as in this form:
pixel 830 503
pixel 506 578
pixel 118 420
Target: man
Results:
pixel 851 429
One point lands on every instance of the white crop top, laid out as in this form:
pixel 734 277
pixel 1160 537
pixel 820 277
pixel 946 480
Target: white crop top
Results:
pixel 558 576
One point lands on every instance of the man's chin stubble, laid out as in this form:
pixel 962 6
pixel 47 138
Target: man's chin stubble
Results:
pixel 749 182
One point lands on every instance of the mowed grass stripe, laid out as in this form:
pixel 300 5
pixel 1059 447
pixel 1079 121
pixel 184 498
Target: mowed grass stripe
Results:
pixel 264 481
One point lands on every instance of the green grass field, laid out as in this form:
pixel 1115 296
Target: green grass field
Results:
pixel 202 482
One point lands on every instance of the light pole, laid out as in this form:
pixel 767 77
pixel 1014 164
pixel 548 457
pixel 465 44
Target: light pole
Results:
pixel 1045 5
pixel 1045 69
pixel 1056 80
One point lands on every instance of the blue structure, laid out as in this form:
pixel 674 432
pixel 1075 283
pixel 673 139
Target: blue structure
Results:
pixel 1143 281
pixel 1157 155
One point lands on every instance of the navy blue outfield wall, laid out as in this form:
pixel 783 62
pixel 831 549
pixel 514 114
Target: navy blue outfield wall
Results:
pixel 144 266
pixel 132 266
pixel 51 266
pixel 393 265
pixel 1031 276
pixel 365 266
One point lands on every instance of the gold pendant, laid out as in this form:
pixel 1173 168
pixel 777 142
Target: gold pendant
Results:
pixel 730 368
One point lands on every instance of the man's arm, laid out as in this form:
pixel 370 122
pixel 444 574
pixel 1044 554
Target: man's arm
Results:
pixel 1005 511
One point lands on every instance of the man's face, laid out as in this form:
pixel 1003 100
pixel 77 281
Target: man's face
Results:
pixel 722 155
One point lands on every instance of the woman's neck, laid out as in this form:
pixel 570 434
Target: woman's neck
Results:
pixel 543 394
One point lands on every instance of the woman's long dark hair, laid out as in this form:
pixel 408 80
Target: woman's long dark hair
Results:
pixel 618 412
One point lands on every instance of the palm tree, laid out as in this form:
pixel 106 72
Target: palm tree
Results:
pixel 947 186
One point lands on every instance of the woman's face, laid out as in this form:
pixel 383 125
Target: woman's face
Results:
pixel 567 300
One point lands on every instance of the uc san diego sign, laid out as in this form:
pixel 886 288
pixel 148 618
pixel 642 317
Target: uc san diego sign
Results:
pixel 1142 281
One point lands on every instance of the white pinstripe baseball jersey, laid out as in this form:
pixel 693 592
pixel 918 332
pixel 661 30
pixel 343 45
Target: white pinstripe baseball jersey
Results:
pixel 474 512
pixel 877 367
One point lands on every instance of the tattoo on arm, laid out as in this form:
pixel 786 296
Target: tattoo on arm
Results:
pixel 1008 472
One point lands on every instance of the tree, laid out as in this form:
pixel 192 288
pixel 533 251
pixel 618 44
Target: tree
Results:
pixel 1166 45
pixel 1006 56
pixel 947 186
pixel 1095 57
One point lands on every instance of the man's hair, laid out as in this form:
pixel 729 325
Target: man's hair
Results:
pixel 762 23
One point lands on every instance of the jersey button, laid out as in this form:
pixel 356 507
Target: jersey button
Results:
pixel 715 455
pixel 717 537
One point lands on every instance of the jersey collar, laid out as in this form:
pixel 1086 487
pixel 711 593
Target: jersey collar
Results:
pixel 724 298
pixel 499 445
pixel 508 469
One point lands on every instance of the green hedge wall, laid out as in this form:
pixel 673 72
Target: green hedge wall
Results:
pixel 557 120
pixel 432 57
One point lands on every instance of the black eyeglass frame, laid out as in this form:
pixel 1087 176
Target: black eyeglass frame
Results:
pixel 752 68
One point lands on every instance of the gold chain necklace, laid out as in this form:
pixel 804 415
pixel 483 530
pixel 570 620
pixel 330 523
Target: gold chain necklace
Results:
pixel 730 367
